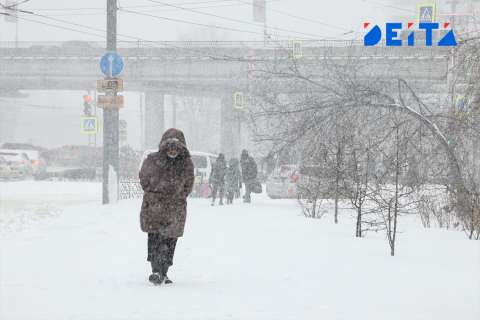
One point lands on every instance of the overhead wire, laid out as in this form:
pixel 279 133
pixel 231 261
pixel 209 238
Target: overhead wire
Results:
pixel 226 28
pixel 212 26
pixel 229 3
pixel 60 27
pixel 229 19
pixel 151 8
pixel 325 24
pixel 147 43
pixel 389 6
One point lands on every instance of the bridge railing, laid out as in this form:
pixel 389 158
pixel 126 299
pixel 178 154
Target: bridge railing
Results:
pixel 178 44
pixel 202 49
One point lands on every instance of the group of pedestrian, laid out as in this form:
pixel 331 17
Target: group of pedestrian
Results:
pixel 227 179
pixel 167 178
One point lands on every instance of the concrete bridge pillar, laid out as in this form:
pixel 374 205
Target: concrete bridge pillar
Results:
pixel 154 118
pixel 230 127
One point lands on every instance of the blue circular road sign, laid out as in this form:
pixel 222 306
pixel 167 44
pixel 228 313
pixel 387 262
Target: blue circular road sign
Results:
pixel 111 64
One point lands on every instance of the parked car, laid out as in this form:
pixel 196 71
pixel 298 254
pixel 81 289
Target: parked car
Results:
pixel 72 162
pixel 18 162
pixel 36 161
pixel 5 170
pixel 282 183
pixel 202 162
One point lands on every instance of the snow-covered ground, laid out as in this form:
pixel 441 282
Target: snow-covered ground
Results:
pixel 259 261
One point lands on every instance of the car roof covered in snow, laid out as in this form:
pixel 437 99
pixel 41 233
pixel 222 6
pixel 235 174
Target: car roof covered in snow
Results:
pixel 200 153
pixel 31 154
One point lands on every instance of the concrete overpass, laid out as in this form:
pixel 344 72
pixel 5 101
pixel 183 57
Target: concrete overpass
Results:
pixel 202 69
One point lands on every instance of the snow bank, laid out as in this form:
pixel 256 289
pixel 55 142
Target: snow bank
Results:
pixel 259 261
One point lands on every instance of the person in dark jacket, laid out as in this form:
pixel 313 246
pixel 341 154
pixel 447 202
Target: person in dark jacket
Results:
pixel 249 174
pixel 217 178
pixel 167 179
pixel 233 180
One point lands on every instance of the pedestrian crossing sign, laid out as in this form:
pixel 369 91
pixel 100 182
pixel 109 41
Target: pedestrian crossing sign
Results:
pixel 296 50
pixel 427 12
pixel 89 125
pixel 238 100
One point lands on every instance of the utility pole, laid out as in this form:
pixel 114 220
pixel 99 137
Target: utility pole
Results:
pixel 453 10
pixel 110 120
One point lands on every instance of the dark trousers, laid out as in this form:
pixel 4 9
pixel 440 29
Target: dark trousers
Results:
pixel 220 189
pixel 248 192
pixel 160 252
pixel 230 196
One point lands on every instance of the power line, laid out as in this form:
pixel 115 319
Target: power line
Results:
pixel 145 6
pixel 195 23
pixel 149 43
pixel 304 19
pixel 229 19
pixel 389 6
pixel 61 27
pixel 152 10
pixel 103 31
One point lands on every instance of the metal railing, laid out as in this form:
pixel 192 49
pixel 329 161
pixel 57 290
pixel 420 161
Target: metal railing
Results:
pixel 130 188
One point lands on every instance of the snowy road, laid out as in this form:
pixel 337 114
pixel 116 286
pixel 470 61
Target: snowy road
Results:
pixel 260 261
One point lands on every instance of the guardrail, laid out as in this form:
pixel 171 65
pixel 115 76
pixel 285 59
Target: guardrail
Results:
pixel 182 44
pixel 130 188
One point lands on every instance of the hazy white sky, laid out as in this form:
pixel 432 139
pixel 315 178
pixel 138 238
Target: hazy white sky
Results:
pixel 321 18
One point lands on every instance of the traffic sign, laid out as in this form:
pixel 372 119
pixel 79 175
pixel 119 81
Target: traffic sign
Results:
pixel 239 100
pixel 110 85
pixel 461 103
pixel 427 12
pixel 110 102
pixel 89 125
pixel 297 50
pixel 111 64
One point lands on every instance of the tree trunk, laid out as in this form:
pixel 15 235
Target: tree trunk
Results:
pixel 359 222
pixel 337 180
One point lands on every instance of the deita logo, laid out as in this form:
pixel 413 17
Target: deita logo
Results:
pixel 393 32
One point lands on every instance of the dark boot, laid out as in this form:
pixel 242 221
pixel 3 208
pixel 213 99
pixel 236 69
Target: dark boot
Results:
pixel 167 280
pixel 165 277
pixel 156 278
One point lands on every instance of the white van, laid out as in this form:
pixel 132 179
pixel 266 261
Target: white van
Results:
pixel 203 162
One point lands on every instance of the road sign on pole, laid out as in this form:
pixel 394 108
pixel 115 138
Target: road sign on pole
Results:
pixel 427 12
pixel 110 102
pixel 297 49
pixel 111 64
pixel 238 100
pixel 89 125
pixel 108 85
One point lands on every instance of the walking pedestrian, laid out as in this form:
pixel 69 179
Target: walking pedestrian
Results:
pixel 167 178
pixel 233 179
pixel 249 174
pixel 217 178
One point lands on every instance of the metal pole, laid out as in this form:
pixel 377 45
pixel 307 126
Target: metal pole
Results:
pixel 265 28
pixel 453 4
pixel 142 129
pixel 16 32
pixel 110 116
pixel 174 111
